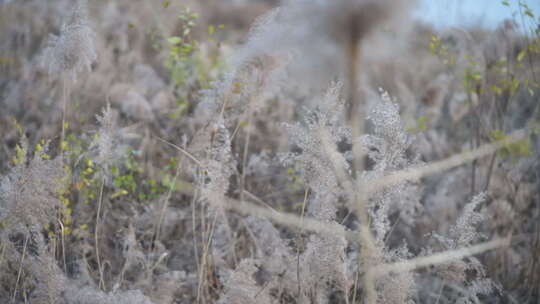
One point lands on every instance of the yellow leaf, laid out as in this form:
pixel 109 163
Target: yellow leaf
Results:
pixel 211 29
pixel 119 193
pixel 521 55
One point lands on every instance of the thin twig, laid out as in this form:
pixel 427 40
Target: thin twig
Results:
pixel 260 201
pixel 306 192
pixel 64 109
pixel 96 235
pixel 442 165
pixel 204 257
pixel 186 153
pixel 246 149
pixel 438 258
pixel 293 220
pixel 490 171
pixel 63 238
pixel 20 267
pixel 167 198
pixel 194 229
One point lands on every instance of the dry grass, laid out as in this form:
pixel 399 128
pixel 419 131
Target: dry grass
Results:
pixel 335 152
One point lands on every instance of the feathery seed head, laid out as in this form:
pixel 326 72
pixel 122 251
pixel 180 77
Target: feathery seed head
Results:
pixel 109 146
pixel 73 50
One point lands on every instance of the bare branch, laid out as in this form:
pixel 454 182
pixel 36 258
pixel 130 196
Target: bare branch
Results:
pixel 439 258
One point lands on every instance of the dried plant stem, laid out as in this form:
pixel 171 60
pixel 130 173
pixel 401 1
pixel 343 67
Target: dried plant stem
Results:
pixel 355 287
pixel 293 220
pixel 204 258
pixel 313 225
pixel 304 203
pixel 489 172
pixel 374 272
pixel 20 267
pixel 363 236
pixel 65 94
pixel 260 201
pixel 194 229
pixel 96 235
pixel 157 228
pixel 442 165
pixel 333 155
pixel 473 177
pixel 186 153
pixel 367 254
pixel 289 219
pixel 359 201
pixel 63 241
pixel 440 292
pixel 438 258
pixel 226 100
pixel 2 253
pixel 246 150
pixel 356 118
pixel 474 141
pixel 368 250
pixel 356 113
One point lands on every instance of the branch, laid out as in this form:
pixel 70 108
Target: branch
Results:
pixel 442 165
pixel 438 258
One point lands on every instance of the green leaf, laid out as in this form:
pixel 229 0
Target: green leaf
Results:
pixel 166 4
pixel 174 40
